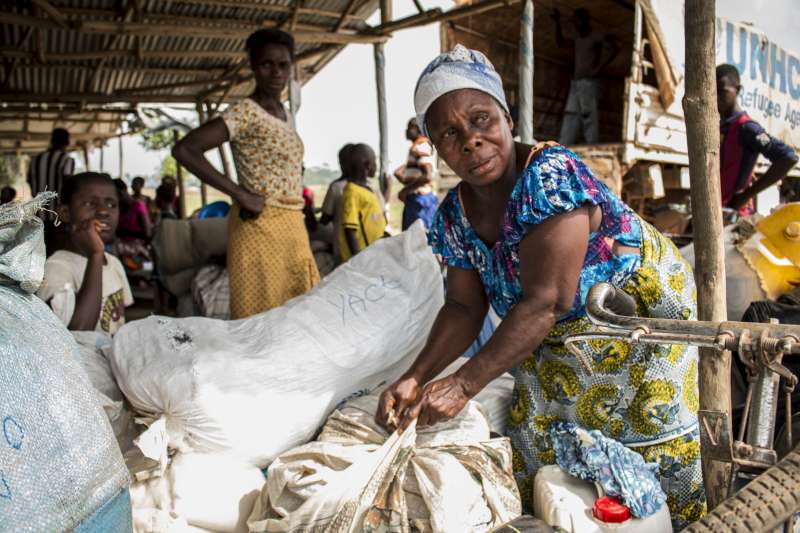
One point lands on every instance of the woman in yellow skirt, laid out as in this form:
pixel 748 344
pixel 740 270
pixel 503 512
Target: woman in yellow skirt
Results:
pixel 269 255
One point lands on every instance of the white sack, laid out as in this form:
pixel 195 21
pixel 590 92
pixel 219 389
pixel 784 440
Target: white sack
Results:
pixel 207 491
pixel 356 477
pixel 258 386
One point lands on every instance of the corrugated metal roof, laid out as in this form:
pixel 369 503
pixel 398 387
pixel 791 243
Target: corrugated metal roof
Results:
pixel 79 60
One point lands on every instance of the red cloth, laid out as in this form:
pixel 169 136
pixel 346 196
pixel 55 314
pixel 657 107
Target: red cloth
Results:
pixel 733 177
pixel 308 197
pixel 130 221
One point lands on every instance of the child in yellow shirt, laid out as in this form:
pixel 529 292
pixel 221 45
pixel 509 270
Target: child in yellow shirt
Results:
pixel 363 220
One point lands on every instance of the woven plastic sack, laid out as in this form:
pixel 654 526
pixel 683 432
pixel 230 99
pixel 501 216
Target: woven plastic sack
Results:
pixel 259 386
pixel 59 462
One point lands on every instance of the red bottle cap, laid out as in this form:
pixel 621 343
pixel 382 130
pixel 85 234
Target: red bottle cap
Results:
pixel 610 510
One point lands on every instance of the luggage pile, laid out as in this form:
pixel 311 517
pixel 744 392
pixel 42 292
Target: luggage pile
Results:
pixel 170 426
pixel 217 402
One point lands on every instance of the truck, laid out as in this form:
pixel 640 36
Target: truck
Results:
pixel 642 153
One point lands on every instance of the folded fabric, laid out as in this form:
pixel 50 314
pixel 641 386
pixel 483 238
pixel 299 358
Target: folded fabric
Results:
pixel 621 472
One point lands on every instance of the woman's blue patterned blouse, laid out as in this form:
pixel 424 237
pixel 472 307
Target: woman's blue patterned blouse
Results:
pixel 556 181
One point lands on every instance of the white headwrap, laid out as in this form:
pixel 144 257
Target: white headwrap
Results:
pixel 460 68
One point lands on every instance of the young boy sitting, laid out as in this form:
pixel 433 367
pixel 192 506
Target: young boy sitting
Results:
pixel 86 287
pixel 363 221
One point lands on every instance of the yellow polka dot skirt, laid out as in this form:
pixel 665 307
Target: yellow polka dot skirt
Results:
pixel 269 260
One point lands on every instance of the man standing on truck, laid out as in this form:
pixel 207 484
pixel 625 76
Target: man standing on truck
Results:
pixel 742 139
pixel 593 52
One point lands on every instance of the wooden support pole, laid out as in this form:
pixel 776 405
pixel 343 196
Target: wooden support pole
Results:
pixel 702 135
pixel 179 178
pixel 145 29
pixel 525 92
pixel 383 127
pixel 437 15
pixel 180 84
pixel 121 158
pixel 201 116
pixel 11 52
pixel 223 155
pixel 54 13
pixel 102 156
pixel 268 7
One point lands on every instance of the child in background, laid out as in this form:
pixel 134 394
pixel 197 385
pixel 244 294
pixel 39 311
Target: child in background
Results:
pixel 166 198
pixel 7 195
pixel 363 221
pixel 86 287
pixel 332 204
pixel 134 220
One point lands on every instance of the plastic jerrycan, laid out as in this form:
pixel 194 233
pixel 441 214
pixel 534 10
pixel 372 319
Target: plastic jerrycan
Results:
pixel 578 506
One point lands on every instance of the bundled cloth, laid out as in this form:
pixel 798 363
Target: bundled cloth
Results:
pixel 622 473
pixel 356 477
pixel 212 293
pixel 256 387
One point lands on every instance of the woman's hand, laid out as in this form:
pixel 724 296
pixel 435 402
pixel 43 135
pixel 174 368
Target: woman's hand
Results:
pixel 395 400
pixel 440 400
pixel 250 201
pixel 86 236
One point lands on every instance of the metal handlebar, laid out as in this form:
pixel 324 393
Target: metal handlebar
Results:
pixel 761 348
pixel 613 311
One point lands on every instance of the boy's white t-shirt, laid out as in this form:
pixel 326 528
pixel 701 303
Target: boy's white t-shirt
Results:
pixel 63 277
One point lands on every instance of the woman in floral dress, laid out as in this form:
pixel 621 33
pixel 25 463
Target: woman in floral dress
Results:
pixel 529 231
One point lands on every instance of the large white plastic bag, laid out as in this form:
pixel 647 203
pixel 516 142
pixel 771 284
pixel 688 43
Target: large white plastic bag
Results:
pixel 259 386
pixel 58 460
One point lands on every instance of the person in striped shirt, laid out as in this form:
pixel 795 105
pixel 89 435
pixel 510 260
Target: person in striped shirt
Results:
pixel 48 169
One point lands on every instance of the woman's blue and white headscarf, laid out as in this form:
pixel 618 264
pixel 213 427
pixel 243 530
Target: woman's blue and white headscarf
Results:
pixel 460 68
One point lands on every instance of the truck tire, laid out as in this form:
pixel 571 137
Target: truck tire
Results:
pixel 760 507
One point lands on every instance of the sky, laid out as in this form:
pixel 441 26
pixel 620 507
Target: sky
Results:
pixel 339 105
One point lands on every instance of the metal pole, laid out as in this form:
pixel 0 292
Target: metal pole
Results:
pixel 181 185
pixel 525 109
pixel 383 126
pixel 121 159
pixel 294 94
pixel 380 82
pixel 102 156
pixel 85 150
pixel 702 135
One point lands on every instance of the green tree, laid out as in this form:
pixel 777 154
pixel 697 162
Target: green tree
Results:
pixel 159 140
pixel 169 167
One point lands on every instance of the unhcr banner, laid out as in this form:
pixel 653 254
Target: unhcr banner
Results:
pixel 770 78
